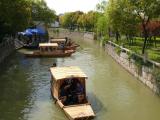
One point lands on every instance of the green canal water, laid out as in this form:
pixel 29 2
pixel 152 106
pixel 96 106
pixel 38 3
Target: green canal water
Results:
pixel 112 91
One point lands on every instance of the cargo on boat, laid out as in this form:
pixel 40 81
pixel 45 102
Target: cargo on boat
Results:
pixel 68 88
pixel 49 50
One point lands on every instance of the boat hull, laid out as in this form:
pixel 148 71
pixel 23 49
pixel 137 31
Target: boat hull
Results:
pixel 72 47
pixel 66 53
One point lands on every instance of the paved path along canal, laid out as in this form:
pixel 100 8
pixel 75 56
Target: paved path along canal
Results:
pixel 113 92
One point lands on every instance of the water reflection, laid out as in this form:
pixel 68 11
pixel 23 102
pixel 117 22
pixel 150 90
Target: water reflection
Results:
pixel 15 90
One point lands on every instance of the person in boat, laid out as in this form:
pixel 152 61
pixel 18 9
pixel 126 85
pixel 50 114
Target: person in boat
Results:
pixel 69 43
pixel 66 38
pixel 76 92
pixel 63 97
pixel 70 91
pixel 62 46
pixel 80 93
pixel 79 88
pixel 64 93
pixel 54 65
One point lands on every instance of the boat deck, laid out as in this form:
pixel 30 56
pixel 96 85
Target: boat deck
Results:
pixel 79 111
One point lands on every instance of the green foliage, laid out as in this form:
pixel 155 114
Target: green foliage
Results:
pixel 136 47
pixel 125 17
pixel 41 12
pixel 79 20
pixel 70 20
pixel 145 10
pixel 102 26
pixel 121 17
pixel 104 39
pixel 129 55
pixel 16 15
pixel 118 50
pixel 101 6
pixel 138 61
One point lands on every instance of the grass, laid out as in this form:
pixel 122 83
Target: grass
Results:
pixel 152 51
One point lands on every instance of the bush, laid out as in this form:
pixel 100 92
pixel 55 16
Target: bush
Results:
pixel 104 39
pixel 118 50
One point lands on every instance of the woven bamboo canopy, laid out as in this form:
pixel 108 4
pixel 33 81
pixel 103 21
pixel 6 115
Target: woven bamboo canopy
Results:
pixel 60 73
pixel 48 45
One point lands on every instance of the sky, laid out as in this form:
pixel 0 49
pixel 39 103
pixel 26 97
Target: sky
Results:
pixel 62 6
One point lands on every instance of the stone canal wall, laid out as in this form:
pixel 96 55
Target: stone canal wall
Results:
pixel 71 34
pixel 89 35
pixel 6 48
pixel 143 72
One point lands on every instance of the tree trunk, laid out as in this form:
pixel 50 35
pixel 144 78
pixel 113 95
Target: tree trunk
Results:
pixel 145 37
pixel 109 32
pixel 144 44
pixel 117 35
pixel 155 41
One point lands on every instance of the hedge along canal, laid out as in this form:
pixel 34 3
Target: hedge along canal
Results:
pixel 113 92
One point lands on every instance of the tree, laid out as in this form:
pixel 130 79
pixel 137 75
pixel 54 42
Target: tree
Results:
pixel 75 18
pixel 91 20
pixel 66 20
pixel 101 6
pixel 16 16
pixel 19 14
pixel 41 12
pixel 79 19
pixel 82 21
pixel 145 10
pixel 102 25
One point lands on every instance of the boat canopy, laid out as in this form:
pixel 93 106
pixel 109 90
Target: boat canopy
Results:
pixel 32 31
pixel 58 40
pixel 60 73
pixel 48 45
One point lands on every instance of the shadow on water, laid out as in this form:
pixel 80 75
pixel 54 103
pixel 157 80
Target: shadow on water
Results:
pixel 96 104
pixel 15 89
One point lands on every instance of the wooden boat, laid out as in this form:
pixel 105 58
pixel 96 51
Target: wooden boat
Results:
pixel 68 44
pixel 65 78
pixel 49 50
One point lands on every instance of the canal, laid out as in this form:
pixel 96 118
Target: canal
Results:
pixel 112 91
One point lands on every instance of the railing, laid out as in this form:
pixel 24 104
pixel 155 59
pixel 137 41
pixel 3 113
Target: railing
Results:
pixel 18 44
pixel 129 51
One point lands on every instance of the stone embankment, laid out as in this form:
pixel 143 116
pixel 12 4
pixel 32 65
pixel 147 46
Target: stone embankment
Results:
pixel 72 34
pixel 6 48
pixel 143 73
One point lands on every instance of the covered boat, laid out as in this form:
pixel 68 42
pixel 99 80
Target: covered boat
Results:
pixel 49 50
pixel 64 42
pixel 68 87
